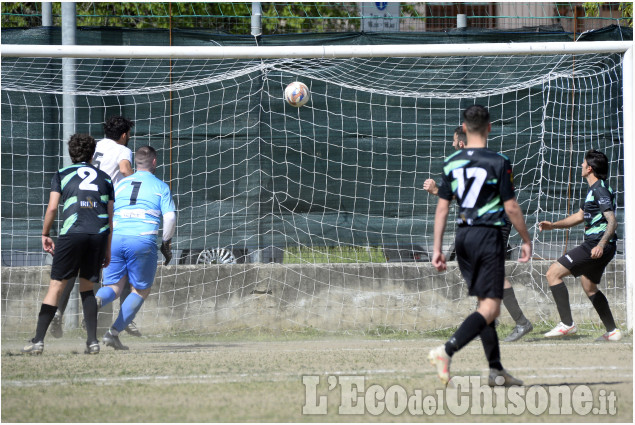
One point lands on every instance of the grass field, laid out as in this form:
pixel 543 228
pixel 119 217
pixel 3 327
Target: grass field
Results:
pixel 259 378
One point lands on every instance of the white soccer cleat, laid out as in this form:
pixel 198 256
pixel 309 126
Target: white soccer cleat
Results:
pixel 614 335
pixel 562 330
pixel 439 358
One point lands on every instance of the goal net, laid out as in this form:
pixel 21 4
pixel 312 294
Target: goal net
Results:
pixel 315 217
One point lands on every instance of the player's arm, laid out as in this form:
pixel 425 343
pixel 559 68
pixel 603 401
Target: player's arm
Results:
pixel 565 223
pixel 169 225
pixel 111 208
pixel 440 219
pixel 125 167
pixel 611 227
pixel 49 217
pixel 515 215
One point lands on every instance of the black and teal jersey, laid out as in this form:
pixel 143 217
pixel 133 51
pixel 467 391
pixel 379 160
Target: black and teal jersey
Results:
pixel 85 193
pixel 481 180
pixel 599 198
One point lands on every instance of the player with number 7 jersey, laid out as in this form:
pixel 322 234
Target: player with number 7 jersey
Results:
pixel 141 201
pixel 482 181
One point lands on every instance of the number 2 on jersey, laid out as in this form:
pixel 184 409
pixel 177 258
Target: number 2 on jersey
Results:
pixel 462 175
pixel 88 175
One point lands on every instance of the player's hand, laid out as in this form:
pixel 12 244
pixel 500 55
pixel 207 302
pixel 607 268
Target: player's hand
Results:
pixel 525 252
pixel 597 251
pixel 545 225
pixel 48 245
pixel 166 250
pixel 438 261
pixel 430 186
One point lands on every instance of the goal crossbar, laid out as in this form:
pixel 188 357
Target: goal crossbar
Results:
pixel 272 52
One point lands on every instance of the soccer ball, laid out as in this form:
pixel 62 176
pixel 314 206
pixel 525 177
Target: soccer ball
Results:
pixel 297 94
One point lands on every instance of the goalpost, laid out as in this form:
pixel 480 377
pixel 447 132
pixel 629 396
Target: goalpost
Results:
pixel 331 192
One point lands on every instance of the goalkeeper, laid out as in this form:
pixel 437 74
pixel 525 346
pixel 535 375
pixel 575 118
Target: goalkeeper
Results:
pixel 140 200
pixel 523 325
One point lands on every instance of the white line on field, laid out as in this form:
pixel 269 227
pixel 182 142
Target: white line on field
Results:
pixel 273 377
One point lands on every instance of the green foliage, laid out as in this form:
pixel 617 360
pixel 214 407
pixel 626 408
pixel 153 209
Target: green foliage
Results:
pixel 592 9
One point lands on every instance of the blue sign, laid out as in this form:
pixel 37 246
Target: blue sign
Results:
pixel 381 5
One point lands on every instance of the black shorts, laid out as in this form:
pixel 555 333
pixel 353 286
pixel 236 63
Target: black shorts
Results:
pixel 579 262
pixel 481 257
pixel 79 252
pixel 505 230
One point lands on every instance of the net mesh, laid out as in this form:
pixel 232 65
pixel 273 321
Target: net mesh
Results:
pixel 331 192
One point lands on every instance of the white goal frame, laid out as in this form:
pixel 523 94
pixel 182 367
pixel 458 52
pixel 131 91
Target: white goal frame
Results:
pixel 415 50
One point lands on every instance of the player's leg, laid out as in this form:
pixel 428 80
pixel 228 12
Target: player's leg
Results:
pixel 468 254
pixel 523 325
pixel 132 327
pixel 89 306
pixel 89 273
pixel 47 312
pixel 115 275
pixel 141 266
pixel 560 293
pixel 65 265
pixel 56 329
pixel 593 273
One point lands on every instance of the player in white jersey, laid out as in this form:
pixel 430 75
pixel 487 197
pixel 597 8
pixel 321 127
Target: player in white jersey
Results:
pixel 112 156
pixel 140 202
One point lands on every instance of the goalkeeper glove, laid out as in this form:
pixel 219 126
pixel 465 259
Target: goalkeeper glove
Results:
pixel 166 251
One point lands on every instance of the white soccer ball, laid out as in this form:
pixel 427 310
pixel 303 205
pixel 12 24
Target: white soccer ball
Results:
pixel 297 94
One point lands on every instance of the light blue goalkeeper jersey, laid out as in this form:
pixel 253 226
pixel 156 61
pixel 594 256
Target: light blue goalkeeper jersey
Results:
pixel 140 201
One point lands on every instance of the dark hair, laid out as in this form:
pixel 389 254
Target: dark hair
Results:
pixel 460 134
pixel 598 162
pixel 476 119
pixel 144 156
pixel 116 126
pixel 81 148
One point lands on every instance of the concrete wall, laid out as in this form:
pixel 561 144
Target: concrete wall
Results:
pixel 331 297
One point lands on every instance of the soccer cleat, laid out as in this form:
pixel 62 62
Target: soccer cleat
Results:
pixel 501 378
pixel 132 329
pixel 439 358
pixel 33 347
pixel 614 335
pixel 92 348
pixel 561 330
pixel 519 332
pixel 56 326
pixel 113 341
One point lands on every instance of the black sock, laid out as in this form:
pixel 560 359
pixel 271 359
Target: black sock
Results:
pixel 489 338
pixel 511 304
pixel 89 304
pixel 125 291
pixel 601 305
pixel 561 297
pixel 66 294
pixel 43 321
pixel 471 327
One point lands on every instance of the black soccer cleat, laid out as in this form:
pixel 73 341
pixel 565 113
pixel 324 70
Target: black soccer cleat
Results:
pixel 113 341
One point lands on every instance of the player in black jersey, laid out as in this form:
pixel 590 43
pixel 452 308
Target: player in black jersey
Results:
pixel 481 181
pixel 83 245
pixel 523 325
pixel 588 260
